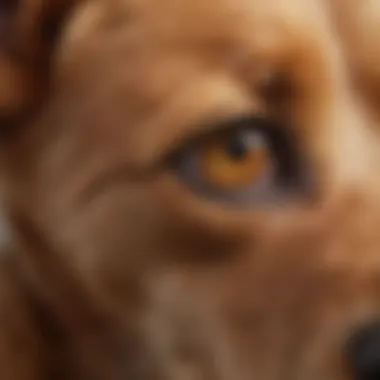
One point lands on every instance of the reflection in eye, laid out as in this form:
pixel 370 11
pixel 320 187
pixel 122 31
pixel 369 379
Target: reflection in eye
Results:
pixel 247 161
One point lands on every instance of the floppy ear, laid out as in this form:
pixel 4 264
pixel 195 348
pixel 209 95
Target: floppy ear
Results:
pixel 29 30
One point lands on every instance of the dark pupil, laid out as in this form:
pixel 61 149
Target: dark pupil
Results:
pixel 237 148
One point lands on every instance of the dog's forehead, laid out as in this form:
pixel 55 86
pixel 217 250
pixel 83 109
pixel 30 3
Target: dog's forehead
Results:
pixel 195 22
pixel 138 38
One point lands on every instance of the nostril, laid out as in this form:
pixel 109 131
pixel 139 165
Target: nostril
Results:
pixel 363 352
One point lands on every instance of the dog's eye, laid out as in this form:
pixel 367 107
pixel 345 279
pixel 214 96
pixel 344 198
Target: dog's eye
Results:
pixel 234 159
pixel 248 161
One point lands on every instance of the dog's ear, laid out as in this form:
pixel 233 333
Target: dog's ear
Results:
pixel 29 30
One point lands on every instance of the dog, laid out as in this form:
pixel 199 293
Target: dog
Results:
pixel 191 190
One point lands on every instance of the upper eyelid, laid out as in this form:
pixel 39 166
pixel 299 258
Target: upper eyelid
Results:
pixel 218 127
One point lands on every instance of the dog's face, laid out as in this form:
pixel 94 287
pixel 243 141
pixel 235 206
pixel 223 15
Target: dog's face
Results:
pixel 207 172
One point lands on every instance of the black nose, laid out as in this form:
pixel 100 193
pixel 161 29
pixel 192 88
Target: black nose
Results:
pixel 364 352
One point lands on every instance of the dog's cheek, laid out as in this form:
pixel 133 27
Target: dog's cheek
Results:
pixel 134 229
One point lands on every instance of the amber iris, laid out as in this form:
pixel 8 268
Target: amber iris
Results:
pixel 235 159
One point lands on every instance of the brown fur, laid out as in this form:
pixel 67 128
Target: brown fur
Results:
pixel 114 269
pixel 358 24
